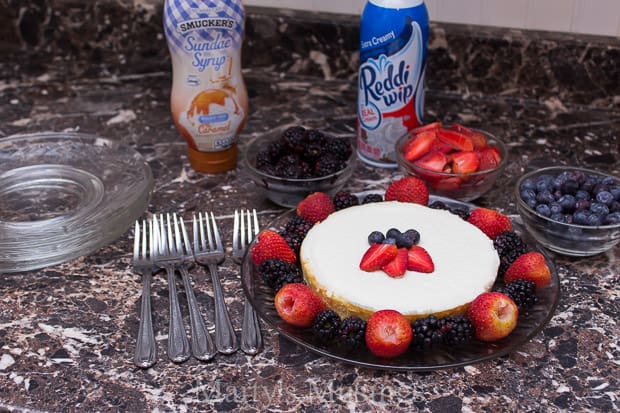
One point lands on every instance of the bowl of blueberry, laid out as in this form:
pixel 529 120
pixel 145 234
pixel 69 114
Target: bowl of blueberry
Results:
pixel 569 210
pixel 291 163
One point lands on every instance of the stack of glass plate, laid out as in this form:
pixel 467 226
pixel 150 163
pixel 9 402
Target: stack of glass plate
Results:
pixel 63 195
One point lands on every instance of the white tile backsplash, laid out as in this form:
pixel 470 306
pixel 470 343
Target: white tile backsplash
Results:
pixel 600 17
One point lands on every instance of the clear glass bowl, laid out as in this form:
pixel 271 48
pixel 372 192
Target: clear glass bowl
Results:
pixel 563 238
pixel 463 187
pixel 63 195
pixel 289 192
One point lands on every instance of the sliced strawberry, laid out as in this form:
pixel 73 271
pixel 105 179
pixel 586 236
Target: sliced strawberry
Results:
pixel 377 256
pixel 419 145
pixel 433 161
pixel 397 267
pixel 419 260
pixel 464 162
pixel 430 126
pixel 460 128
pixel 479 140
pixel 456 140
pixel 490 158
pixel 440 146
pixel 447 184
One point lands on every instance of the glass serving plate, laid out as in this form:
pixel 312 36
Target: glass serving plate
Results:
pixel 261 296
pixel 63 195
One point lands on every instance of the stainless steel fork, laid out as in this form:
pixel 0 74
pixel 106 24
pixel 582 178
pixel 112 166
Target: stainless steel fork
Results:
pixel 212 255
pixel 251 338
pixel 202 345
pixel 143 263
pixel 166 257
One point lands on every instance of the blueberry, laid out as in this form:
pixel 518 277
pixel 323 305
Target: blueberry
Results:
pixel 545 197
pixel 392 233
pixel 605 197
pixel 527 194
pixel 615 191
pixel 614 207
pixel 578 176
pixel 567 202
pixel 612 219
pixel 555 208
pixel 403 241
pixel 413 234
pixel 559 180
pixel 599 208
pixel 593 220
pixel 582 194
pixel 531 203
pixel 582 204
pixel 589 183
pixel 570 187
pixel 558 217
pixel 609 180
pixel 527 184
pixel 389 241
pixel 568 218
pixel 376 237
pixel 580 217
pixel 599 188
pixel 543 209
pixel 544 183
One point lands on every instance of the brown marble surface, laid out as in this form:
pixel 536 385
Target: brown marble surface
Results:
pixel 67 332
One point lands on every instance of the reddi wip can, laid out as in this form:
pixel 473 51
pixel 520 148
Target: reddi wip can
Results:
pixel 393 46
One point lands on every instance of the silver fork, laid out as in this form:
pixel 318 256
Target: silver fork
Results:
pixel 166 257
pixel 211 255
pixel 202 345
pixel 143 263
pixel 251 338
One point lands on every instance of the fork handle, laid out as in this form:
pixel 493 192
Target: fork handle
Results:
pixel 251 338
pixel 225 337
pixel 202 345
pixel 146 347
pixel 178 345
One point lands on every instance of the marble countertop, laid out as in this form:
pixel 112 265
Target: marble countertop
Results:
pixel 67 332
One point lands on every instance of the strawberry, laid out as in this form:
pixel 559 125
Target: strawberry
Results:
pixel 397 267
pixel 464 162
pixel 298 305
pixel 446 184
pixel 477 138
pixel 460 128
pixel 456 140
pixel 388 333
pixel 430 126
pixel 419 260
pixel 433 161
pixel 491 222
pixel 408 189
pixel 271 245
pixel 490 158
pixel 493 315
pixel 315 207
pixel 529 266
pixel 419 145
pixel 439 146
pixel 378 255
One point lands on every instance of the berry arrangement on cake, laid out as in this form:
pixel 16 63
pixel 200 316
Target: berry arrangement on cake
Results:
pixel 394 272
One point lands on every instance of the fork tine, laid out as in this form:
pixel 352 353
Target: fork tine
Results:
pixel 177 234
pixel 151 241
pixel 256 228
pixel 171 244
pixel 136 241
pixel 235 242
pixel 218 239
pixel 209 233
pixel 243 240
pixel 143 246
pixel 202 231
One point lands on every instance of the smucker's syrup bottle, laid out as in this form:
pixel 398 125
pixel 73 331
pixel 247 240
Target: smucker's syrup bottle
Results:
pixel 393 46
pixel 209 100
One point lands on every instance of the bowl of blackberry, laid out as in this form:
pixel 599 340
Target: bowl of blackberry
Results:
pixel 570 210
pixel 290 163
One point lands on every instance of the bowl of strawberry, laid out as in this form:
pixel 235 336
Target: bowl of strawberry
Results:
pixel 569 210
pixel 456 161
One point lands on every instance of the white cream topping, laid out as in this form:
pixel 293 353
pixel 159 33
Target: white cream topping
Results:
pixel 465 261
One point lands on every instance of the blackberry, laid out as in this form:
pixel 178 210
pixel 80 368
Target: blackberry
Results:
pixel 344 199
pixel 461 212
pixel 352 332
pixel 295 138
pixel 509 246
pixel 293 240
pixel 288 166
pixel 327 164
pixel 339 147
pixel 522 292
pixel 427 332
pixel 438 205
pixel 288 278
pixel 272 270
pixel 269 155
pixel 370 198
pixel 298 226
pixel 456 330
pixel 326 325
